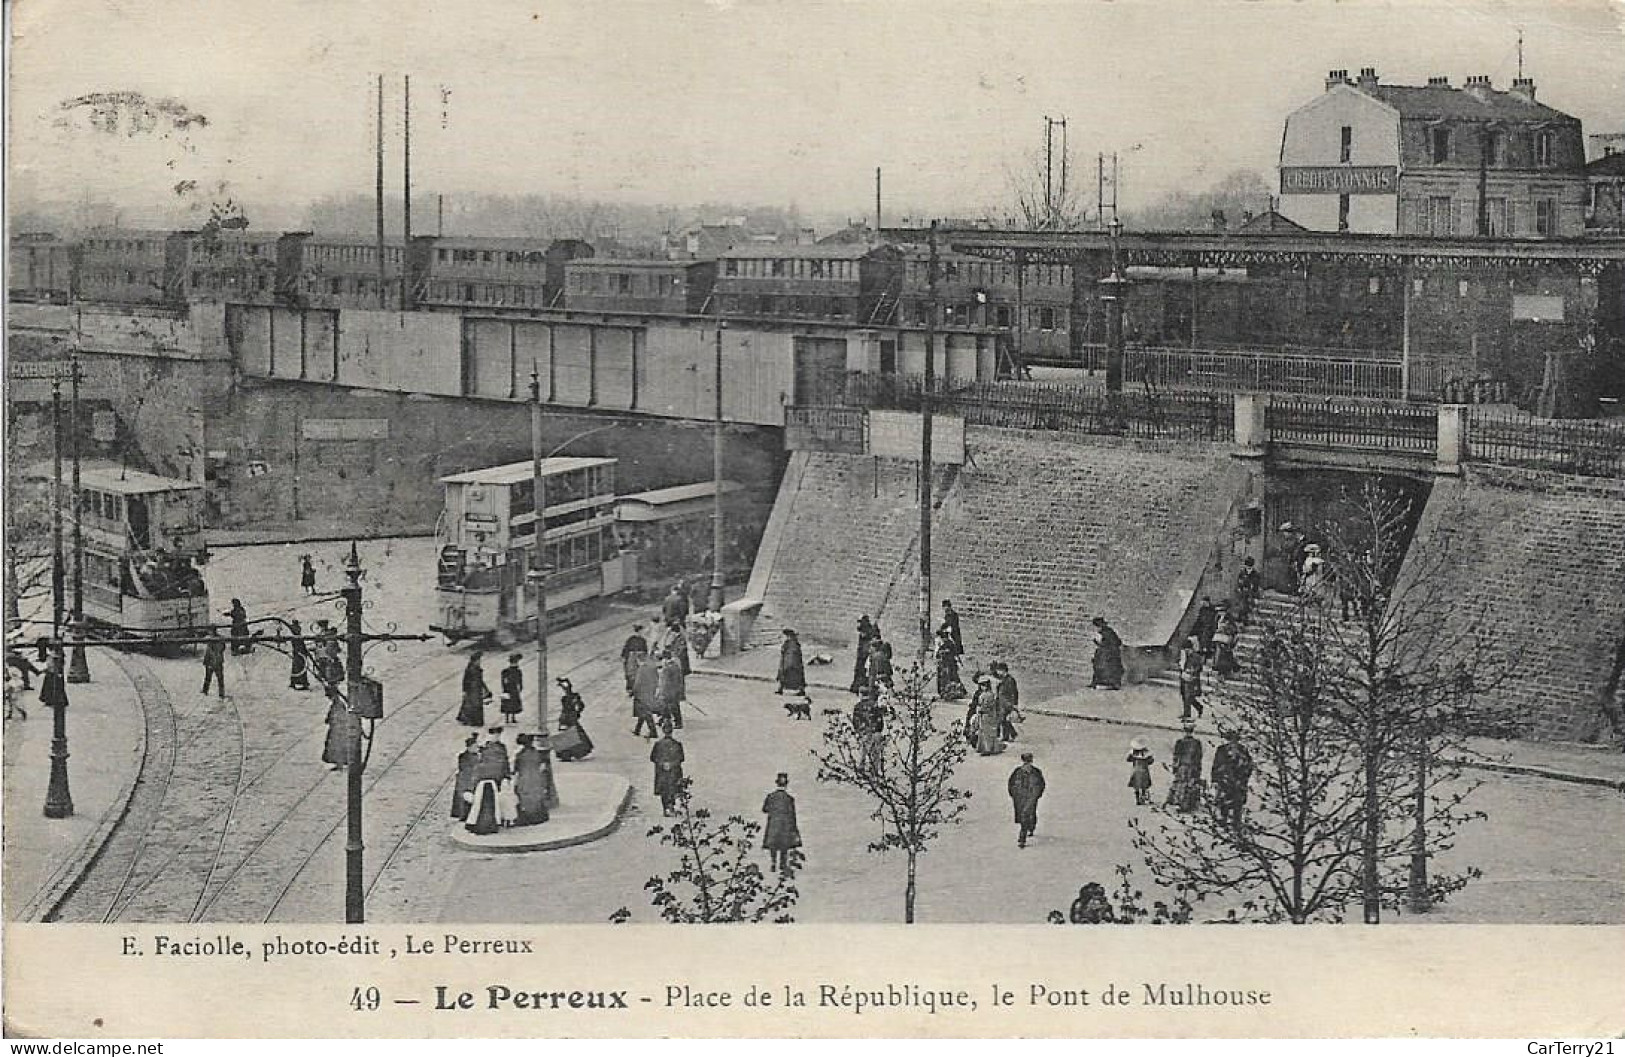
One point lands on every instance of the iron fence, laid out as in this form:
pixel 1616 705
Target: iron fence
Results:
pixel 1053 406
pixel 1345 426
pixel 1594 449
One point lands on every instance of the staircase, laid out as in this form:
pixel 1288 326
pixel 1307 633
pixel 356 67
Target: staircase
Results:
pixel 1273 609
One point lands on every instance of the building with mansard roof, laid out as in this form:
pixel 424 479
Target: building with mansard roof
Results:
pixel 1375 158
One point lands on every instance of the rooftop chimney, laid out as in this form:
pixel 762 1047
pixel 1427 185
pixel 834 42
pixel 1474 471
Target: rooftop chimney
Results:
pixel 1438 82
pixel 1335 78
pixel 1368 77
pixel 1524 88
pixel 1478 86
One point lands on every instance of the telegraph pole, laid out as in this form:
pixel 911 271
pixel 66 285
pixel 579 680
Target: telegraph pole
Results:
pixel 58 572
pixel 538 577
pixel 1113 297
pixel 78 669
pixel 925 448
pixel 714 602
pixel 378 195
pixel 406 182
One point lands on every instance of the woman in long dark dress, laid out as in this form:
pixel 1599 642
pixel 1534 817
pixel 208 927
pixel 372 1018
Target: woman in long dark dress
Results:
pixel 949 686
pixel 513 689
pixel 299 659
pixel 529 783
pixel 241 638
pixel 867 633
pixel 1108 661
pixel 491 769
pixel 475 693
pixel 792 672
pixel 1224 646
pixel 782 833
pixel 573 742
pixel 1185 793
pixel 462 789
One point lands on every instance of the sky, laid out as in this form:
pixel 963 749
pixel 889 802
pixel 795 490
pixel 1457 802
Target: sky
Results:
pixel 748 101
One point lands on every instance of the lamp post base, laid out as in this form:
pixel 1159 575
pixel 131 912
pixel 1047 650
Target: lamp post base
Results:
pixel 78 667
pixel 58 797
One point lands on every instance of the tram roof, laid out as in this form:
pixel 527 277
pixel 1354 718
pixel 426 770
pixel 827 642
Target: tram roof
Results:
pixel 514 472
pixel 131 482
pixel 665 502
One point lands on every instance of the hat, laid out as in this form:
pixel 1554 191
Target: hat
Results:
pixel 493 730
pixel 1286 526
pixel 947 604
pixel 1026 757
pixel 782 779
pixel 982 677
pixel 471 739
pixel 789 633
pixel 1246 561
pixel 526 739
pixel 1099 622
pixel 515 658
pixel 1188 725
pixel 1313 548
pixel 1137 744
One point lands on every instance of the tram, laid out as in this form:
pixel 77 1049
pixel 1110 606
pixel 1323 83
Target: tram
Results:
pixel 486 536
pixel 143 546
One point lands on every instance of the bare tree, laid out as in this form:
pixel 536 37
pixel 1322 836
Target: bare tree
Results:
pixel 1355 713
pixel 1047 194
pixel 898 757
pixel 716 880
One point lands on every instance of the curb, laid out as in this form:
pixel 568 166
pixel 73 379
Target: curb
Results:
pixel 61 884
pixel 1522 770
pixel 470 843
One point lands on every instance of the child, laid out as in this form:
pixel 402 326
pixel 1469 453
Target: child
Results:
pixel 1139 757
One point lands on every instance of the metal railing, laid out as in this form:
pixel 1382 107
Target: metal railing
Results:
pixel 1052 405
pixel 1595 449
pixel 1353 427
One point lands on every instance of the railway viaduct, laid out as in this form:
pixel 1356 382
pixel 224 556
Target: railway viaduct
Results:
pixel 300 422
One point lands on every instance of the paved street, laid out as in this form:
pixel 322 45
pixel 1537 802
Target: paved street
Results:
pixel 245 823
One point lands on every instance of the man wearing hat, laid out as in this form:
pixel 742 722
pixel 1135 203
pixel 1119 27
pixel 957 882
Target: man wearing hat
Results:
pixel 633 652
pixel 1026 785
pixel 462 790
pixel 1247 590
pixel 674 610
pixel 513 689
pixel 1232 771
pixel 950 623
pixel 782 833
pixel 1009 698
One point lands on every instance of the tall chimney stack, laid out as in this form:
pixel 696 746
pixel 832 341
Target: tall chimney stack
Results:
pixel 1368 78
pixel 1478 86
pixel 1438 82
pixel 1524 88
pixel 1335 78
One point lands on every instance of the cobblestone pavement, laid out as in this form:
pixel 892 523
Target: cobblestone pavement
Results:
pixel 249 823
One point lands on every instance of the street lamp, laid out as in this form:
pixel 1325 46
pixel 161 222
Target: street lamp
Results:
pixel 538 573
pixel 1114 284
pixel 54 693
pixel 78 669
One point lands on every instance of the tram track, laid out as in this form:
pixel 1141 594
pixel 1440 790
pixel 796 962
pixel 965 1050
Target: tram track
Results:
pixel 378 790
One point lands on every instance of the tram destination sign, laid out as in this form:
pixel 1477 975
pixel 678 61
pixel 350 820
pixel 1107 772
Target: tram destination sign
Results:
pixel 1339 179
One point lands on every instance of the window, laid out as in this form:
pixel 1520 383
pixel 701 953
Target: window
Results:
pixel 730 268
pixel 817 269
pixel 778 268
pixel 623 283
pixel 1496 216
pixel 1046 319
pixel 1441 216
pixel 1342 212
pixel 335 286
pixel 1494 148
pixel 443 254
pixel 1543 148
pixel 1001 316
pixel 1441 145
pixel 1374 285
pixel 1345 148
pixel 1546 217
pixel 922 313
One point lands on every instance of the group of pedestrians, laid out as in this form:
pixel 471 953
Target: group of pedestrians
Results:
pixel 495 791
pixel 994 710
pixel 656 678
pixel 1231 774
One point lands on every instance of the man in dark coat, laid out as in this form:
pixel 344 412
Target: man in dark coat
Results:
pixel 880 666
pixel 214 663
pixel 1232 771
pixel 1108 662
pixel 792 672
pixel 867 633
pixel 1247 589
pixel 307 575
pixel 667 756
pixel 781 833
pixel 475 693
pixel 462 789
pixel 674 610
pixel 1026 785
pixel 646 696
pixel 950 620
pixel 1008 696
pixel 242 640
pixel 53 687
pixel 633 651
pixel 671 691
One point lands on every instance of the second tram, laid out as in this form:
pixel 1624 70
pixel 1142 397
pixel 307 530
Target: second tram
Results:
pixel 487 535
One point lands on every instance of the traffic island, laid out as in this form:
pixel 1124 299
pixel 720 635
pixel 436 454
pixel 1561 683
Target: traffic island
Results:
pixel 591 805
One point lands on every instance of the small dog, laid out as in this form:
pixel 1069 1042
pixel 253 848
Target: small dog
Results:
pixel 801 709
pixel 831 712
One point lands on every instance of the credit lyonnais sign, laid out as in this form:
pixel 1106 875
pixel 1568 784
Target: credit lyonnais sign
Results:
pixel 1339 180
